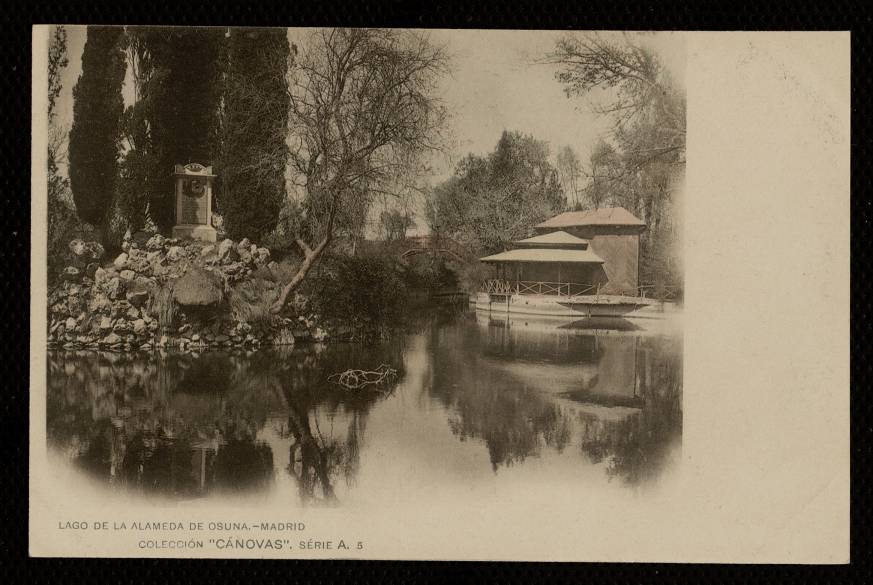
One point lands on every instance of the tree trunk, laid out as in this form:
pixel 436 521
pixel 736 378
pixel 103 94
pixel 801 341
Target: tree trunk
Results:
pixel 310 257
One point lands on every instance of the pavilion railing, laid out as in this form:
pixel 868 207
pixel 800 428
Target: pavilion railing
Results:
pixel 538 287
pixel 660 292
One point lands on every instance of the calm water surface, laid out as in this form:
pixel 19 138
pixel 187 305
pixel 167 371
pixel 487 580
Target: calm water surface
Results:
pixel 481 405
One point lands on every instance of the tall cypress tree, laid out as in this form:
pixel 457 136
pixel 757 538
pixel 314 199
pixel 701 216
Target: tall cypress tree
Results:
pixel 96 131
pixel 254 131
pixel 186 94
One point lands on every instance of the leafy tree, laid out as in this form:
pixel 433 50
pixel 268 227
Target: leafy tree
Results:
pixel 255 125
pixel 570 170
pixel 394 224
pixel 57 60
pixel 608 184
pixel 493 200
pixel 139 167
pixel 644 158
pixel 62 219
pixel 363 108
pixel 96 132
pixel 184 91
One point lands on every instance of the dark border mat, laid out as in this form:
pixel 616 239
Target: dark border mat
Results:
pixel 14 296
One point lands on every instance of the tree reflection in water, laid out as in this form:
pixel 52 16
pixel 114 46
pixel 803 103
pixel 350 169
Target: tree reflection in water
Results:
pixel 525 385
pixel 188 425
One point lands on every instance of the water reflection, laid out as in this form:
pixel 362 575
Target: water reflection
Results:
pixel 185 426
pixel 525 385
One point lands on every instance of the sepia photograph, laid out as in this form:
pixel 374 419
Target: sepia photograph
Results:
pixel 297 278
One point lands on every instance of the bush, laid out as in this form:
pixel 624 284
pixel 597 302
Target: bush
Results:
pixel 250 302
pixel 366 295
pixel 471 275
pixel 430 273
pixel 63 225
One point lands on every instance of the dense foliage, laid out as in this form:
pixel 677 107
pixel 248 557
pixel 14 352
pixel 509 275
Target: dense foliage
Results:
pixel 185 94
pixel 96 132
pixel 141 180
pixel 641 163
pixel 498 198
pixel 254 132
pixel 367 295
pixel 63 224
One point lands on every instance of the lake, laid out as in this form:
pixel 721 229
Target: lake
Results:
pixel 480 405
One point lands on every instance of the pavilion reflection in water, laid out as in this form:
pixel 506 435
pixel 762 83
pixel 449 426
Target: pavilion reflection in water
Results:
pixel 604 385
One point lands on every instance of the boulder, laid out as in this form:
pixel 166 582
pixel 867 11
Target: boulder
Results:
pixel 261 255
pixel 226 252
pixel 155 243
pixel 115 288
pixel 100 276
pixel 112 339
pixel 86 250
pixel 100 304
pixel 121 327
pixel 121 260
pixel 198 287
pixel 138 261
pixel 175 253
pixel 127 274
pixel 70 324
pixel 139 326
pixel 119 308
pixel 137 297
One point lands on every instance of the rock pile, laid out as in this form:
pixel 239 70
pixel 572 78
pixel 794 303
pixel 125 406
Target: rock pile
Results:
pixel 166 293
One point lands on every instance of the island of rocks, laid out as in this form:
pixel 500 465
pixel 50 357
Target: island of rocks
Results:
pixel 175 294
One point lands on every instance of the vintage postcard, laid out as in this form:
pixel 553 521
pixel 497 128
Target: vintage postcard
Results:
pixel 440 294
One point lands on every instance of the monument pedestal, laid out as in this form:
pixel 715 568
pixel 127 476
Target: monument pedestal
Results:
pixel 195 232
pixel 194 203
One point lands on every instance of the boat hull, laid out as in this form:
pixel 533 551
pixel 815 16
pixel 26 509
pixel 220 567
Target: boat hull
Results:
pixel 570 306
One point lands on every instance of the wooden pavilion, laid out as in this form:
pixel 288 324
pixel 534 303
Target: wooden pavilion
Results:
pixel 555 263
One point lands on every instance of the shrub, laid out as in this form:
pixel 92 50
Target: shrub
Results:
pixel 96 132
pixel 430 273
pixel 63 225
pixel 367 295
pixel 471 274
pixel 250 302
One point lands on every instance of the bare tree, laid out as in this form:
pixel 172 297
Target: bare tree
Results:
pixel 643 87
pixel 570 169
pixel 363 108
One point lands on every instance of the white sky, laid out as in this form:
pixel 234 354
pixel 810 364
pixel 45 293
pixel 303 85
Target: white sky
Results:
pixel 494 85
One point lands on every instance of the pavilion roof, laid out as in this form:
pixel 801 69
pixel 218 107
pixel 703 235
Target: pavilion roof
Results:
pixel 545 255
pixel 557 238
pixel 613 216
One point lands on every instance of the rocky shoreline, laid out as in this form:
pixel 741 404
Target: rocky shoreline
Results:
pixel 164 293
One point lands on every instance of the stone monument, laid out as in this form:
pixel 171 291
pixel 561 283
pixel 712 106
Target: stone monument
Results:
pixel 194 202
